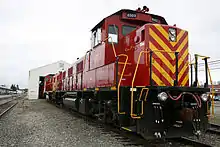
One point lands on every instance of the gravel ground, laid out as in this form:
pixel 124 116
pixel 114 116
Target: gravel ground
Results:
pixel 207 138
pixel 212 139
pixel 36 123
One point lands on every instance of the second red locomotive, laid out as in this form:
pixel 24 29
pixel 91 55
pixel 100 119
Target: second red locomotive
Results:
pixel 136 76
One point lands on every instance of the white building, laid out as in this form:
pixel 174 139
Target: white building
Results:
pixel 35 74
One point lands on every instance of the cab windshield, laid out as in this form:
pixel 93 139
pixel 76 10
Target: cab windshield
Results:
pixel 127 29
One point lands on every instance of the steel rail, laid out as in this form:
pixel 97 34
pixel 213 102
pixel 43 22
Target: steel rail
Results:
pixel 192 142
pixel 6 110
pixel 6 102
pixel 214 129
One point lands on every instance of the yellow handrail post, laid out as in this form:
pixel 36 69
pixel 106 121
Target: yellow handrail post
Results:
pixel 212 91
pixel 132 85
pixel 132 89
pixel 119 83
pixel 212 87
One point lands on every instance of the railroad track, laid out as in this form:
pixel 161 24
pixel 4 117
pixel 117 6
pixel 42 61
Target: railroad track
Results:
pixel 191 142
pixel 7 109
pixel 129 139
pixel 214 129
pixel 7 105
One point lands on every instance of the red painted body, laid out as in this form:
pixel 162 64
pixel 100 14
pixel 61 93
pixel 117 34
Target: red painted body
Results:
pixel 97 68
pixel 48 83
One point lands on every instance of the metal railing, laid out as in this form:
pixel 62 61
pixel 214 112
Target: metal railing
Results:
pixel 207 75
pixel 132 114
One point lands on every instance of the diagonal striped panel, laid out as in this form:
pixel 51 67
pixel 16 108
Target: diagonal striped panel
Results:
pixel 181 72
pixel 161 43
pixel 162 57
pixel 183 57
pixel 160 48
pixel 179 36
pixel 164 32
pixel 163 72
pixel 157 80
pixel 183 77
pixel 185 81
pixel 185 41
pixel 164 63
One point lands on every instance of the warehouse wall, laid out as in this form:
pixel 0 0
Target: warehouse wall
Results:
pixel 34 74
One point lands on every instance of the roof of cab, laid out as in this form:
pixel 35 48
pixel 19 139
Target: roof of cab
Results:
pixel 128 10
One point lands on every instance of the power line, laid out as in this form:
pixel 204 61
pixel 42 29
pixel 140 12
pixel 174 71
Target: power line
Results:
pixel 216 68
pixel 211 62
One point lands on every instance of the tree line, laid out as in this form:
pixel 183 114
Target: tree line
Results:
pixel 14 87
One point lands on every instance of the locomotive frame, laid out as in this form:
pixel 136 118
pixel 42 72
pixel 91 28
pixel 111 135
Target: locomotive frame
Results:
pixel 147 107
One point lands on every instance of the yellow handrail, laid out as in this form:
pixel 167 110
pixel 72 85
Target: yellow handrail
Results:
pixel 119 83
pixel 132 88
pixel 145 99
pixel 210 78
pixel 213 91
pixel 125 63
pixel 132 85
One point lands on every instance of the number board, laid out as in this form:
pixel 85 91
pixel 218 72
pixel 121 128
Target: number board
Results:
pixel 131 15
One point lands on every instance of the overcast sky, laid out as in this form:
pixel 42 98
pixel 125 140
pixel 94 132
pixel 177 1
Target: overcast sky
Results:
pixel 37 32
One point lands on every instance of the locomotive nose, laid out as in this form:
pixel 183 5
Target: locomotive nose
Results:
pixel 183 113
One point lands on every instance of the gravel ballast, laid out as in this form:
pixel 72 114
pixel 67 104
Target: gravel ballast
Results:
pixel 36 123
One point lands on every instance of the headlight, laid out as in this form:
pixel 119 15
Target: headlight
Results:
pixel 204 97
pixel 172 34
pixel 162 96
pixel 109 102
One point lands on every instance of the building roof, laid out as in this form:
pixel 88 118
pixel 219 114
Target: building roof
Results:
pixel 4 88
pixel 60 61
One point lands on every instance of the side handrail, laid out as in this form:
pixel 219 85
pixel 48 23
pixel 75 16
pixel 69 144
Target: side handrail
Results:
pixel 132 85
pixel 213 91
pixel 134 116
pixel 125 63
pixel 119 82
pixel 145 99
pixel 212 86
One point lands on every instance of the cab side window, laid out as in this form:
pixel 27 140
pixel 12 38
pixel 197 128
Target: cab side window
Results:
pixel 96 37
pixel 112 34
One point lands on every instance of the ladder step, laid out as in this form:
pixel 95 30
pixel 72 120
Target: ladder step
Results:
pixel 130 128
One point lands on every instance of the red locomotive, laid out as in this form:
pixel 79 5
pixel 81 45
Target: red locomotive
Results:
pixel 136 76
